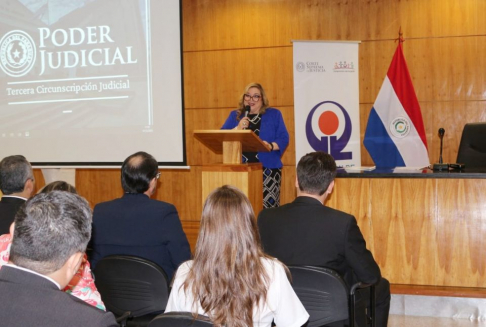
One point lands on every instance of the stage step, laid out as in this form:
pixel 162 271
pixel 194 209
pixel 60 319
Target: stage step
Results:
pixel 469 292
pixel 411 321
pixel 439 301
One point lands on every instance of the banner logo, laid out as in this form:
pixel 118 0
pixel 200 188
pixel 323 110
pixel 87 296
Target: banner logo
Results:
pixel 328 128
pixel 400 127
pixel 62 49
pixel 343 66
pixel 300 66
pixel 17 53
pixel 310 67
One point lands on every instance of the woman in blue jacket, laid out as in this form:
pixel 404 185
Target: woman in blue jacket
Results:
pixel 268 124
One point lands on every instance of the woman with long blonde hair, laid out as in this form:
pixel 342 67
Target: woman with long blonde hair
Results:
pixel 230 279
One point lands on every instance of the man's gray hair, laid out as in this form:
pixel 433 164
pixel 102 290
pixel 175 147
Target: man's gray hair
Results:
pixel 14 172
pixel 50 228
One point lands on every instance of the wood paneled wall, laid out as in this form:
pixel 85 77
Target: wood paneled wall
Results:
pixel 229 43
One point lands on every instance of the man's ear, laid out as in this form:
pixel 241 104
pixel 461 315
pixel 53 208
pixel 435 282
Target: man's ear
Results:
pixel 296 182
pixel 153 185
pixel 29 187
pixel 330 188
pixel 74 262
pixel 12 228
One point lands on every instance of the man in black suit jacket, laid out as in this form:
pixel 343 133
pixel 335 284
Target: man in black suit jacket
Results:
pixel 305 232
pixel 137 225
pixel 17 185
pixel 50 236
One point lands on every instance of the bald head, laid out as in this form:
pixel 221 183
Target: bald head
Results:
pixel 138 170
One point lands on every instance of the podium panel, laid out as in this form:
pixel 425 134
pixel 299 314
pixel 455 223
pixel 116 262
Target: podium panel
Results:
pixel 246 177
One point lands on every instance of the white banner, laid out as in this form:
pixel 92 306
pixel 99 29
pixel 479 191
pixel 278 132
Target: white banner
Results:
pixel 326 100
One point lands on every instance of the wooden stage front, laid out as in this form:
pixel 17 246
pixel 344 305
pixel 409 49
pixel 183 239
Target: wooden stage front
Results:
pixel 423 228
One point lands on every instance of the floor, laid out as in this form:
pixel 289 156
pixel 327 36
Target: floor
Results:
pixel 411 321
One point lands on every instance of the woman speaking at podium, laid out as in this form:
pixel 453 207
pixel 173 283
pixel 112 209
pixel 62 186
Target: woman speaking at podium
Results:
pixel 254 113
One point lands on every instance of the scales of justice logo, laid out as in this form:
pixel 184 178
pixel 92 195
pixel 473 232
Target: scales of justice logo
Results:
pixel 17 53
pixel 328 128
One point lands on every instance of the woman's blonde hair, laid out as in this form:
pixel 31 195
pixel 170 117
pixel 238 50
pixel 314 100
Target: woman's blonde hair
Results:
pixel 227 277
pixel 241 103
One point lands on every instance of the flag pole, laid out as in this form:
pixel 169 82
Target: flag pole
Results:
pixel 400 36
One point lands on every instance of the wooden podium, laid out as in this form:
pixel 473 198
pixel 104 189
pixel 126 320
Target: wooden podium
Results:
pixel 247 177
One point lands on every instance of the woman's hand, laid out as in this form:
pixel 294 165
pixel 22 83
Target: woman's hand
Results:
pixel 243 124
pixel 271 146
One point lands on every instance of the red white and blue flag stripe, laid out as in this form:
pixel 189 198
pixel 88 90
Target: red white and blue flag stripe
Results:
pixel 395 134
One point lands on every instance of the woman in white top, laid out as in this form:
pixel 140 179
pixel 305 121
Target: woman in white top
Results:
pixel 230 279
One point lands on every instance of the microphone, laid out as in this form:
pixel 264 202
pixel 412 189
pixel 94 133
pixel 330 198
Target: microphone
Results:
pixel 441 166
pixel 247 111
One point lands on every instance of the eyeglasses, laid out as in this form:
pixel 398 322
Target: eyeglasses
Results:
pixel 255 97
pixel 157 176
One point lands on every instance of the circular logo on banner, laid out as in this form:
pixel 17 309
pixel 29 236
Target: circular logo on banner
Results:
pixel 328 128
pixel 400 127
pixel 17 53
pixel 300 66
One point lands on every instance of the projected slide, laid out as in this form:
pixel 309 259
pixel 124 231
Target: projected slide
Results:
pixel 90 81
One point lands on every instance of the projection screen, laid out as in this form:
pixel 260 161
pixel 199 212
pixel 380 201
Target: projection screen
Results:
pixel 89 82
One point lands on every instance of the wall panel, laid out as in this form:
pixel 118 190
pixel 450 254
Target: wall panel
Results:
pixel 462 214
pixel 215 79
pixel 421 231
pixel 271 23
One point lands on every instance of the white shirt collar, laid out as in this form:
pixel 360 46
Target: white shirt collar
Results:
pixel 33 272
pixel 14 196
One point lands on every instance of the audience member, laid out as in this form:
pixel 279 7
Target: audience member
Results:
pixel 50 236
pixel 230 279
pixel 58 186
pixel 137 225
pixel 305 232
pixel 82 284
pixel 17 185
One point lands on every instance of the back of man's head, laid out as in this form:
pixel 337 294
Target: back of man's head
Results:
pixel 14 172
pixel 137 172
pixel 315 172
pixel 49 229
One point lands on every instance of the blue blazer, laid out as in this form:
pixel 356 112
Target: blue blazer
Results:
pixel 272 129
pixel 137 225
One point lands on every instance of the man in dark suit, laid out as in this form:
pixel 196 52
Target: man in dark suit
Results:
pixel 137 225
pixel 50 236
pixel 305 232
pixel 17 185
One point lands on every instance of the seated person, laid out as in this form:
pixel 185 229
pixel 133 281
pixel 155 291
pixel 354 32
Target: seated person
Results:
pixel 307 233
pixel 17 185
pixel 137 225
pixel 50 236
pixel 82 284
pixel 230 279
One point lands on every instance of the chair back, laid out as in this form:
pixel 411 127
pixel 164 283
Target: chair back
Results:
pixel 323 293
pixel 180 319
pixel 129 283
pixel 472 150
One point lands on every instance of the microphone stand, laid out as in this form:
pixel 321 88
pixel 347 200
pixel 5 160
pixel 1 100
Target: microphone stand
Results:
pixel 441 166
